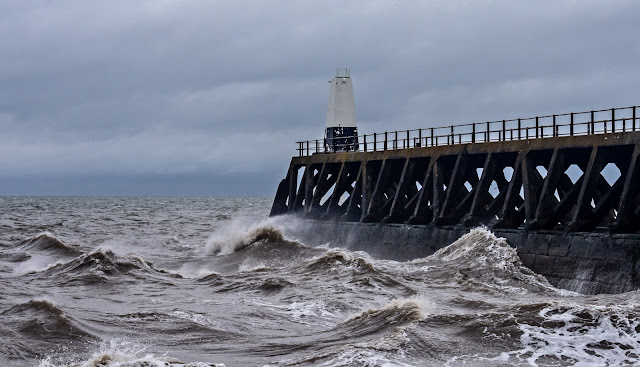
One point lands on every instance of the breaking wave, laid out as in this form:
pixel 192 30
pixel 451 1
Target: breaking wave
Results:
pixel 232 238
pixel 481 258
pixel 396 313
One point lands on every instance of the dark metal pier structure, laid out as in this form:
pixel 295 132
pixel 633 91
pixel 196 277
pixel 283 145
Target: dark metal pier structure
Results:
pixel 572 172
pixel 564 190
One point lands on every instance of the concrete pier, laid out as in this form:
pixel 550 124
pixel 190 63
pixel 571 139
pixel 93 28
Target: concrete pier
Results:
pixel 567 203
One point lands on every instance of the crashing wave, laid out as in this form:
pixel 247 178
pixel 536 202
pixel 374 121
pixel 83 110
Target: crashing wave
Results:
pixel 481 246
pixel 479 257
pixel 238 237
pixel 396 313
pixel 233 238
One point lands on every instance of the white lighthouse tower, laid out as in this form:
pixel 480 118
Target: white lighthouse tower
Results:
pixel 341 133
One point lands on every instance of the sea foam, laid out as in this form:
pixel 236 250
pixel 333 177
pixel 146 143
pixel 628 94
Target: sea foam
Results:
pixel 237 235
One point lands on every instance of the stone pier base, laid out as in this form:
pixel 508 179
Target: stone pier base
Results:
pixel 584 262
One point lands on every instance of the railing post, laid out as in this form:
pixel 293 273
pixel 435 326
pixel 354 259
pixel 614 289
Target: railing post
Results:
pixel 452 139
pixel 473 134
pixel 407 138
pixel 537 125
pixel 486 133
pixel 504 130
pixel 420 137
pixel 624 124
pixel 431 136
pixel 324 144
pixel 554 133
pixel 307 147
pixel 593 123
pixel 375 142
pixel 519 129
pixel 317 148
pixel 571 125
pixel 364 137
pixel 613 120
pixel 385 140
pixel 395 140
pixel 633 126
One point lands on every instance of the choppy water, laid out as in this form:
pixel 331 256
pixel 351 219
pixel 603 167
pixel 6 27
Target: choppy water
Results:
pixel 213 281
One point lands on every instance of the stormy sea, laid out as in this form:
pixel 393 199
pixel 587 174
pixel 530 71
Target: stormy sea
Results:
pixel 180 281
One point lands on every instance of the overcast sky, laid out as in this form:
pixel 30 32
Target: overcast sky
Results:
pixel 208 97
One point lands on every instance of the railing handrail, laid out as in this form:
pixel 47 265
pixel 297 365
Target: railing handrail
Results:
pixel 435 137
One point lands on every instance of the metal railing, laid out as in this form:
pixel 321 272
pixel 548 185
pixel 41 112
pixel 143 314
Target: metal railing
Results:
pixel 621 119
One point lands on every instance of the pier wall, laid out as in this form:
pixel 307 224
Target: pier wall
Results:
pixel 588 263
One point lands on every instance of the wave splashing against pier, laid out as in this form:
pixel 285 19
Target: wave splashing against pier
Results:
pixel 211 282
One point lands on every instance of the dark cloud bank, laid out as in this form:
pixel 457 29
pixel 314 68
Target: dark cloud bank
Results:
pixel 208 97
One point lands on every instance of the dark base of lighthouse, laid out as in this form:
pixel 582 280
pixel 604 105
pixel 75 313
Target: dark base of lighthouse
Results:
pixel 341 139
pixel 588 263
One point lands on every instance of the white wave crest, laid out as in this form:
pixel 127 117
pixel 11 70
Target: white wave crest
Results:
pixel 421 307
pixel 481 245
pixel 490 260
pixel 236 236
pixel 36 264
pixel 118 353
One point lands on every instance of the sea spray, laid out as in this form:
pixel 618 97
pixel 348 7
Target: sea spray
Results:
pixel 479 256
pixel 237 235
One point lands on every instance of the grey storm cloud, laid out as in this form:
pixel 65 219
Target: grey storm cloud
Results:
pixel 225 88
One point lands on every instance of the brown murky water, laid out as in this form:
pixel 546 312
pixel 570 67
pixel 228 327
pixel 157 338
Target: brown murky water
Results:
pixel 213 281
